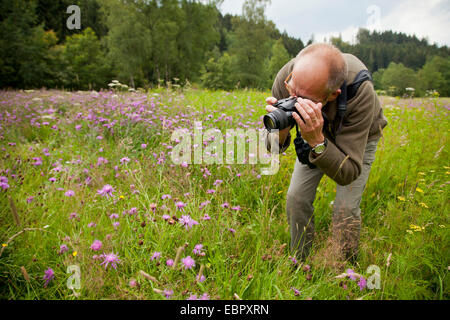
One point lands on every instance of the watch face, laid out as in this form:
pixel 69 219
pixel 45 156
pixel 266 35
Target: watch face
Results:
pixel 319 149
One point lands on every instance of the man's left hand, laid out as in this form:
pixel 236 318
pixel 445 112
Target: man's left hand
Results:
pixel 311 127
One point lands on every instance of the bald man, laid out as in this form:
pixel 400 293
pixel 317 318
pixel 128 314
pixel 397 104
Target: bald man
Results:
pixel 343 151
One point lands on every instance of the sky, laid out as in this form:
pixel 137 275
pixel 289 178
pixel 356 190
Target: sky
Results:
pixel 325 18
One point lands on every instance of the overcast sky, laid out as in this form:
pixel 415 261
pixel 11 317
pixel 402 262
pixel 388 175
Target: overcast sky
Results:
pixel 323 18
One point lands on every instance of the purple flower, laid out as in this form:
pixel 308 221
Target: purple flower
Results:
pixel 232 230
pixel 114 216
pixel 209 191
pixel 37 161
pixel 166 196
pixel 168 293
pixel 96 245
pixel 198 250
pixel 188 262
pixel 217 182
pixel 294 261
pixel 192 297
pixel 156 255
pixel 73 215
pixel 69 193
pixel 166 217
pixel 201 278
pixel 296 291
pixel 52 179
pixel 237 208
pixel 101 160
pixel 29 199
pixel 124 160
pixel 351 274
pixel 92 225
pixel 205 296
pixel 107 191
pixel 78 127
pixel 180 205
pixel 169 262
pixel 116 224
pixel 49 275
pixel 225 205
pixel 143 146
pixel 110 259
pixel 362 283
pixel 206 217
pixel 187 221
pixel 63 248
pixel 4 183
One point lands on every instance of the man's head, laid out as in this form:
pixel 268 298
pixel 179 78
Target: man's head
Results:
pixel 319 72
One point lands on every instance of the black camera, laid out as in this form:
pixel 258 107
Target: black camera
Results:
pixel 282 117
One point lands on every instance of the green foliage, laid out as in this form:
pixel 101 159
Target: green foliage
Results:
pixel 398 77
pixel 279 57
pixel 86 64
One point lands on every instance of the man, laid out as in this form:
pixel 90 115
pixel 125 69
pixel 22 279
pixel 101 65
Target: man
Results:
pixel 344 149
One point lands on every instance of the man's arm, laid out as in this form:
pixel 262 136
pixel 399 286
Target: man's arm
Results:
pixel 342 161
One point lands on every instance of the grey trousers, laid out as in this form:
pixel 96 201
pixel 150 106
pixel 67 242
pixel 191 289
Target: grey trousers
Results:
pixel 346 220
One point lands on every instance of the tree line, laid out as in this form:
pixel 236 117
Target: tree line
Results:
pixel 145 43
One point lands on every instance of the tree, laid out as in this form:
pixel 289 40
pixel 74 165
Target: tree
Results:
pixel 398 77
pixel 250 44
pixel 435 75
pixel 279 57
pixel 86 61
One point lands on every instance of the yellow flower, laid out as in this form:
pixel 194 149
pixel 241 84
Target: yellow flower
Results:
pixel 445 167
pixel 421 173
pixel 4 245
pixel 423 204
pixel 121 197
pixel 441 226
pixel 419 190
pixel 447 172
pixel 401 198
pixel 280 191
pixel 74 253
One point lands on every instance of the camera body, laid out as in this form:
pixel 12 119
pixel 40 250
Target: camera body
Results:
pixel 282 117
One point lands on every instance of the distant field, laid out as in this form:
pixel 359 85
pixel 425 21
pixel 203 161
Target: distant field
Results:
pixel 77 167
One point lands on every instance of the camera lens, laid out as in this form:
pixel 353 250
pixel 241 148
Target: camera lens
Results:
pixel 277 119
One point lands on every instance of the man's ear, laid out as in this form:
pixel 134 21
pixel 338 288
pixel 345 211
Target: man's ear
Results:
pixel 334 95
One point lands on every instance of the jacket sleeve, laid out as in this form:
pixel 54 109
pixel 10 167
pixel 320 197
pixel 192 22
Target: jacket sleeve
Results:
pixel 342 161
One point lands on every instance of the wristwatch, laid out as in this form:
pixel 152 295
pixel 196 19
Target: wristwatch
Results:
pixel 318 149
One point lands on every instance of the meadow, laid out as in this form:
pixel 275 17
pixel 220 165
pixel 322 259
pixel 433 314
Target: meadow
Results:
pixel 87 181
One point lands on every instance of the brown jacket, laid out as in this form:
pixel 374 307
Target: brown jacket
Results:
pixel 363 121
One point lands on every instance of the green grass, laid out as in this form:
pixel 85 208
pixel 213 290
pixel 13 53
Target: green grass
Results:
pixel 408 185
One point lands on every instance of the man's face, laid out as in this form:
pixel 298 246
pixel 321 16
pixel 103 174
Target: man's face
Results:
pixel 308 80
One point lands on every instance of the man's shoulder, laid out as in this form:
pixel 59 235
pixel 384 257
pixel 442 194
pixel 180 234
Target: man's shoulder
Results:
pixel 354 66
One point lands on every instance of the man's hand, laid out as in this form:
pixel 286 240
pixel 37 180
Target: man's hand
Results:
pixel 269 108
pixel 311 127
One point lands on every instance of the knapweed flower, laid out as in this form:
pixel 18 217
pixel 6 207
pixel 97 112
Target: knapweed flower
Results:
pixel 30 199
pixel 225 205
pixel 110 259
pixel 294 260
pixel 96 245
pixel 362 283
pixel 92 225
pixel 124 160
pixel 52 179
pixel 168 293
pixel 201 278
pixel 114 216
pixel 107 191
pixel 169 262
pixel 296 291
pixel 143 146
pixel 187 221
pixel 217 182
pixel 206 217
pixel 73 215
pixel 63 248
pixel 4 183
pixel 198 250
pixel 37 161
pixel 232 230
pixel 209 191
pixel 101 160
pixel 236 208
pixel 166 196
pixel 116 224
pixel 351 274
pixel 180 205
pixel 69 193
pixel 165 217
pixel 49 275
pixel 188 262
pixel 156 255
